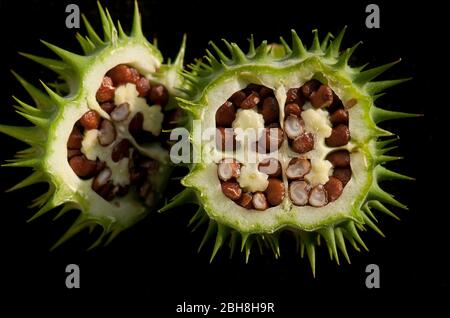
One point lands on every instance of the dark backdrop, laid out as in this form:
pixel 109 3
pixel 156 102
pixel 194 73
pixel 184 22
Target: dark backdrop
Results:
pixel 154 266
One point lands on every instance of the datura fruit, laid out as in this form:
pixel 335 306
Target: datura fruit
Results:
pixel 297 148
pixel 97 139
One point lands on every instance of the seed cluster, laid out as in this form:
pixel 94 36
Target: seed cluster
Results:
pixel 140 167
pixel 261 99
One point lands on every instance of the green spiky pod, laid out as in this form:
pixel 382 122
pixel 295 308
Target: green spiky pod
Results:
pixel 105 194
pixel 215 85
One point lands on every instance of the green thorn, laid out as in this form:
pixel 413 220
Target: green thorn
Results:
pixel 237 54
pixel 38 121
pixel 222 234
pixel 27 163
pixel 49 205
pixel 198 214
pixel 136 29
pixel 311 252
pixel 78 226
pixel 379 194
pixel 222 56
pixel 122 33
pixel 244 238
pixel 377 87
pixel 55 97
pixel 31 110
pixel 248 248
pixel 344 58
pixel 30 135
pixel 35 177
pixel 286 46
pixel 188 195
pixel 385 158
pixel 41 100
pixel 77 62
pixel 93 36
pixel 340 242
pixel 209 232
pixel 366 76
pixel 325 42
pixel 380 207
pixel 380 115
pixel 333 49
pixel 86 45
pixel 262 49
pixel 315 46
pixel 369 222
pixel 328 234
pixel 298 50
pixel 251 46
pixel 383 173
pixel 56 66
pixel 383 143
pixel 351 230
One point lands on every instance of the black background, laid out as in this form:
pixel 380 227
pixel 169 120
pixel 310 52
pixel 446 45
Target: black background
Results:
pixel 154 266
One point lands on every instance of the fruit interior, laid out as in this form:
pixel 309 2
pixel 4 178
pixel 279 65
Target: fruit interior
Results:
pixel 302 146
pixel 106 147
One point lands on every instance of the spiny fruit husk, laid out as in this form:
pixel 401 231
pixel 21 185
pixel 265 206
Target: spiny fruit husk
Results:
pixel 54 115
pixel 280 67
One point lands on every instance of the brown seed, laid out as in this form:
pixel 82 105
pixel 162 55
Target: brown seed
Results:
pixel 323 97
pixel 237 98
pixel 106 91
pixel 318 196
pixel 340 136
pixel 101 179
pixel 99 166
pixel 309 87
pixel 293 126
pixel 135 126
pixel 334 188
pixel 108 107
pixel 250 101
pixel 303 143
pixel 159 95
pixel 270 110
pixel 121 112
pixel 252 88
pixel 105 191
pixel 298 168
pixel 299 192
pixel 270 166
pixel 294 95
pixel 275 191
pixel 232 190
pixel 75 138
pixel 340 158
pixel 121 150
pixel 225 139
pixel 246 200
pixel 228 168
pixel 292 109
pixel 73 152
pixel 90 120
pixel 143 86
pixel 226 114
pixel 122 74
pixel 340 116
pixel 107 133
pixel 82 167
pixel 271 140
pixel 123 190
pixel 259 201
pixel 343 174
pixel 265 92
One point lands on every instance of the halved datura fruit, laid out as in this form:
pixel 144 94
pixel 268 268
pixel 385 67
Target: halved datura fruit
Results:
pixel 99 146
pixel 314 165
